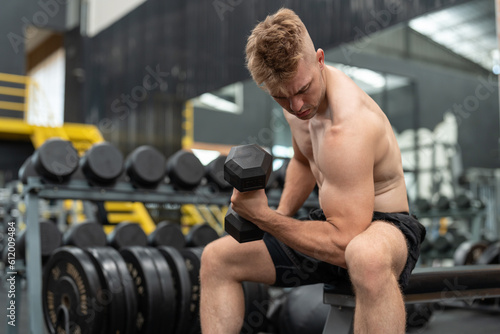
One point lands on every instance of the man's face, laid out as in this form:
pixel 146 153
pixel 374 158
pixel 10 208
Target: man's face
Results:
pixel 303 94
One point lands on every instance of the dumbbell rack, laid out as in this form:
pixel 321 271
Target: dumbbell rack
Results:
pixel 37 188
pixel 477 215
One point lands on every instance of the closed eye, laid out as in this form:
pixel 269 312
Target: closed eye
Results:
pixel 303 90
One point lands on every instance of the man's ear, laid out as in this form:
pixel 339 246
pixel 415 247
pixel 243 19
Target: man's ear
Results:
pixel 320 58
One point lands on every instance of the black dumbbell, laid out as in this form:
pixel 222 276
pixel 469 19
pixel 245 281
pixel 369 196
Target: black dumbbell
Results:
pixel 102 164
pixel 27 170
pixel 85 234
pixel 442 203
pixel 214 172
pixel 201 235
pixel 247 168
pixel 423 205
pixel 55 160
pixel 145 166
pixel 127 234
pixel 184 170
pixel 167 234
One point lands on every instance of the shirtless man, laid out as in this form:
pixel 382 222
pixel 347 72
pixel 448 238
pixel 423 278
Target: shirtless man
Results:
pixel 344 144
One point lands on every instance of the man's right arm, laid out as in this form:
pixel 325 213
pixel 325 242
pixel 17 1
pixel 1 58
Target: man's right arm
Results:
pixel 299 183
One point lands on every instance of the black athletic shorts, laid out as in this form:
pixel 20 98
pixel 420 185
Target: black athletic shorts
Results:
pixel 294 268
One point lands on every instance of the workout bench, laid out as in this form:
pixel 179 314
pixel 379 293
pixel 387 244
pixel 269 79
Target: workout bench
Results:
pixel 426 285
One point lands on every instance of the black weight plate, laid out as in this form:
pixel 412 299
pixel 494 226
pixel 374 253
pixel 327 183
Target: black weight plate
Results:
pixel 127 234
pixel 182 285
pixel 102 164
pixel 469 252
pixel 70 279
pixel 185 170
pixel 56 160
pixel 27 170
pixel 145 166
pixel 147 284
pixel 192 259
pixel 304 311
pixel 201 235
pixel 167 292
pixel 491 255
pixel 256 305
pixel 128 286
pixel 113 296
pixel 85 234
pixel 167 234
pixel 418 315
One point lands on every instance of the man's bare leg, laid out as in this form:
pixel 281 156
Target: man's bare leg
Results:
pixel 375 258
pixel 224 265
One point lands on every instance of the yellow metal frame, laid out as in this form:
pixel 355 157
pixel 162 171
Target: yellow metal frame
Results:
pixel 16 92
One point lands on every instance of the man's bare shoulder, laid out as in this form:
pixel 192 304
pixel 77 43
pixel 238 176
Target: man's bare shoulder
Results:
pixel 350 103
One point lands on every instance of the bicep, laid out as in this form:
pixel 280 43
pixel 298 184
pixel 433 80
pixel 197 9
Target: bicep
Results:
pixel 347 193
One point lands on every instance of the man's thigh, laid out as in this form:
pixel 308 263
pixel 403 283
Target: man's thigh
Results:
pixel 244 262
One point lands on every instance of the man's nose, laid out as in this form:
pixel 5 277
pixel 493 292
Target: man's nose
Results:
pixel 296 104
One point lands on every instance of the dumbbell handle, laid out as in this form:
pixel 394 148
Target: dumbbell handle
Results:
pixel 237 226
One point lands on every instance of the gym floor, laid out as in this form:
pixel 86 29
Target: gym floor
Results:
pixel 456 321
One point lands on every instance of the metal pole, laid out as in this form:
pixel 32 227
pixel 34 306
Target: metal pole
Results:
pixel 33 264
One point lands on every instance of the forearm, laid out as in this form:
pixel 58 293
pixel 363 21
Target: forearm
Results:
pixel 299 183
pixel 317 239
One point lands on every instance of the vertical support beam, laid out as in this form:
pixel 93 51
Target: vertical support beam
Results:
pixel 33 264
pixel 416 139
pixel 497 16
pixel 188 125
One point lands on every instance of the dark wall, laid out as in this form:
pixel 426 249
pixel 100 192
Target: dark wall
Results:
pixel 176 50
pixel 473 99
pixel 15 16
pixel 205 40
pixel 132 78
pixel 18 152
pixel 253 125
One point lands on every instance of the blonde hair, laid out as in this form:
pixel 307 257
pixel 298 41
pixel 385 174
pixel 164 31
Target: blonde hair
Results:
pixel 275 47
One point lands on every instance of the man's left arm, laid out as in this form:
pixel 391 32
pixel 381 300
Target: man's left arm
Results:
pixel 346 196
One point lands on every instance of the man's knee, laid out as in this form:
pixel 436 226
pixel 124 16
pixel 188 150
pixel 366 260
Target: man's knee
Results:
pixel 213 258
pixel 369 264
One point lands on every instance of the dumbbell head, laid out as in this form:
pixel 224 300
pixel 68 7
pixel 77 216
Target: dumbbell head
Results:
pixel 248 167
pixel 127 234
pixel 201 235
pixel 102 164
pixel 185 170
pixel 85 234
pixel 27 170
pixel 145 167
pixel 463 201
pixel 167 234
pixel 215 173
pixel 241 229
pixel 56 160
pixel 50 240
pixel 443 203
